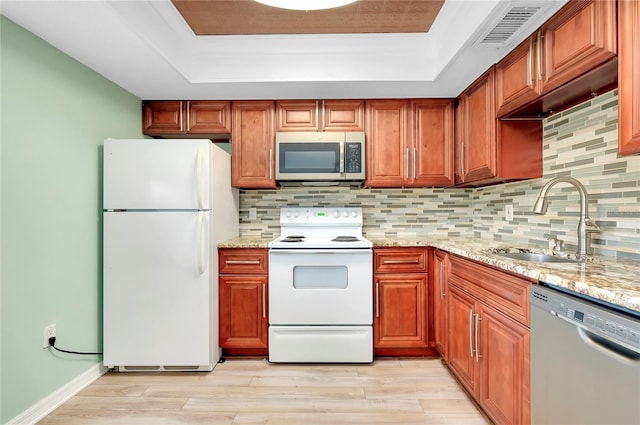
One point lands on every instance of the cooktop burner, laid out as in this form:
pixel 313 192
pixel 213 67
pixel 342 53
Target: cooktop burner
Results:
pixel 293 238
pixel 345 239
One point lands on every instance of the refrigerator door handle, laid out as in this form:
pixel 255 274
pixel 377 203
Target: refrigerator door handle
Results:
pixel 200 240
pixel 199 182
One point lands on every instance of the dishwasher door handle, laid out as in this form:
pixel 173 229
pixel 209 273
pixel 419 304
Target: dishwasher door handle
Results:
pixel 610 349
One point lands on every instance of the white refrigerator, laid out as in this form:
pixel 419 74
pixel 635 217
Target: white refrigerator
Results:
pixel 166 206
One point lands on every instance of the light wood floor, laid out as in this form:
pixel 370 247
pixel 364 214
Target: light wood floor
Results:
pixel 253 391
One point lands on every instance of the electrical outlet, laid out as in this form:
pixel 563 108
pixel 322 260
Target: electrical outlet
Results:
pixel 508 212
pixel 253 214
pixel 49 332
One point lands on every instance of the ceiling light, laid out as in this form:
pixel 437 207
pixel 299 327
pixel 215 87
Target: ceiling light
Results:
pixel 306 4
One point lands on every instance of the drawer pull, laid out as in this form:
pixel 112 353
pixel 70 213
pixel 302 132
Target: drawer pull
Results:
pixel 400 261
pixel 242 262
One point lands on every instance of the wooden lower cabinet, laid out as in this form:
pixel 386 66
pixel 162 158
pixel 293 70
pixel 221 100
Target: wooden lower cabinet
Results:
pixel 401 313
pixel 243 301
pixel 460 354
pixel 488 348
pixel 440 297
pixel 504 372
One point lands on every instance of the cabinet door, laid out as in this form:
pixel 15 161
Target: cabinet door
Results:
pixel 479 143
pixel 516 78
pixel 440 299
pixel 580 37
pixel 629 78
pixel 504 368
pixel 297 115
pixel 209 117
pixel 462 310
pixel 459 135
pixel 163 117
pixel 431 135
pixel 343 115
pixel 253 143
pixel 243 312
pixel 387 149
pixel 400 311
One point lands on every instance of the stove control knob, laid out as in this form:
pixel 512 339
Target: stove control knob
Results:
pixel 336 214
pixel 296 214
pixel 354 214
pixel 345 214
pixel 287 214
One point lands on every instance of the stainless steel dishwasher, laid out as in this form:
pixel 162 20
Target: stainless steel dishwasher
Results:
pixel 585 360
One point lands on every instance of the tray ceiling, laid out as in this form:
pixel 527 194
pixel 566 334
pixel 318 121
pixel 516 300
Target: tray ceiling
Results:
pixel 217 49
pixel 242 17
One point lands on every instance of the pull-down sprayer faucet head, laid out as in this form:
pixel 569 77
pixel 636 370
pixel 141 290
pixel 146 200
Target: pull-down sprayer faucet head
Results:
pixel 541 205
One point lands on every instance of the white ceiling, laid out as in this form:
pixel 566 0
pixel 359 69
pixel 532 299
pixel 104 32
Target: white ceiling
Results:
pixel 146 47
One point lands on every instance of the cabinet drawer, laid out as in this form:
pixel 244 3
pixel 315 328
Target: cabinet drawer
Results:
pixel 503 291
pixel 400 260
pixel 243 260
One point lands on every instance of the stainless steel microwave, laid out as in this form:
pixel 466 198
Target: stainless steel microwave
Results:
pixel 320 156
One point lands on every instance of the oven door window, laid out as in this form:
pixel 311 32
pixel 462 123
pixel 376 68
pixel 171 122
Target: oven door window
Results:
pixel 320 277
pixel 309 158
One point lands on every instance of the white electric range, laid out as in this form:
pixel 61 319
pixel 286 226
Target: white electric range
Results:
pixel 320 288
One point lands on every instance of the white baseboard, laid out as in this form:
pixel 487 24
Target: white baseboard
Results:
pixel 58 397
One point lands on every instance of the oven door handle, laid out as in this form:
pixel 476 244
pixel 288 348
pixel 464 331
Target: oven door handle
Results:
pixel 320 251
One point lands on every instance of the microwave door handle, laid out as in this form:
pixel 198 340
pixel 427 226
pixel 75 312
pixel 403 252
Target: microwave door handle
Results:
pixel 341 157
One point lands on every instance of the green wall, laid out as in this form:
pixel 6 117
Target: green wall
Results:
pixel 55 115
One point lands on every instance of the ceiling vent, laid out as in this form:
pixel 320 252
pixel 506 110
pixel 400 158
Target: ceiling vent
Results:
pixel 511 23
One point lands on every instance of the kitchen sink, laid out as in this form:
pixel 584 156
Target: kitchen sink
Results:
pixel 539 258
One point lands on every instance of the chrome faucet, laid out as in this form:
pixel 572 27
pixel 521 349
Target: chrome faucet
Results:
pixel 585 226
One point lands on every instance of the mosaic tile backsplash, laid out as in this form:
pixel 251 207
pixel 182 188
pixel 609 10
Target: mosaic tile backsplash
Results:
pixel 580 142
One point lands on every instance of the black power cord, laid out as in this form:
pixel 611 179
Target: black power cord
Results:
pixel 52 343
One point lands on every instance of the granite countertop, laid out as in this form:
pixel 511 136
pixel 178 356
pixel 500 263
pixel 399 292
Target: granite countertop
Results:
pixel 245 242
pixel 602 278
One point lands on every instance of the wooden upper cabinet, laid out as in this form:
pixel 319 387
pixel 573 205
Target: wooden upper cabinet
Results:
pixel 581 36
pixel 176 117
pixel 252 147
pixel 296 115
pixel 342 115
pixel 517 81
pixel 571 56
pixel 629 78
pixel 431 137
pixel 387 144
pixel 320 115
pixel 478 149
pixel 410 143
pixel 208 116
pixel 163 117
pixel 491 150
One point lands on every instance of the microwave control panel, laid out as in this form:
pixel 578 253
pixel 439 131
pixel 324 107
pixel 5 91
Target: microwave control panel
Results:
pixel 353 158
